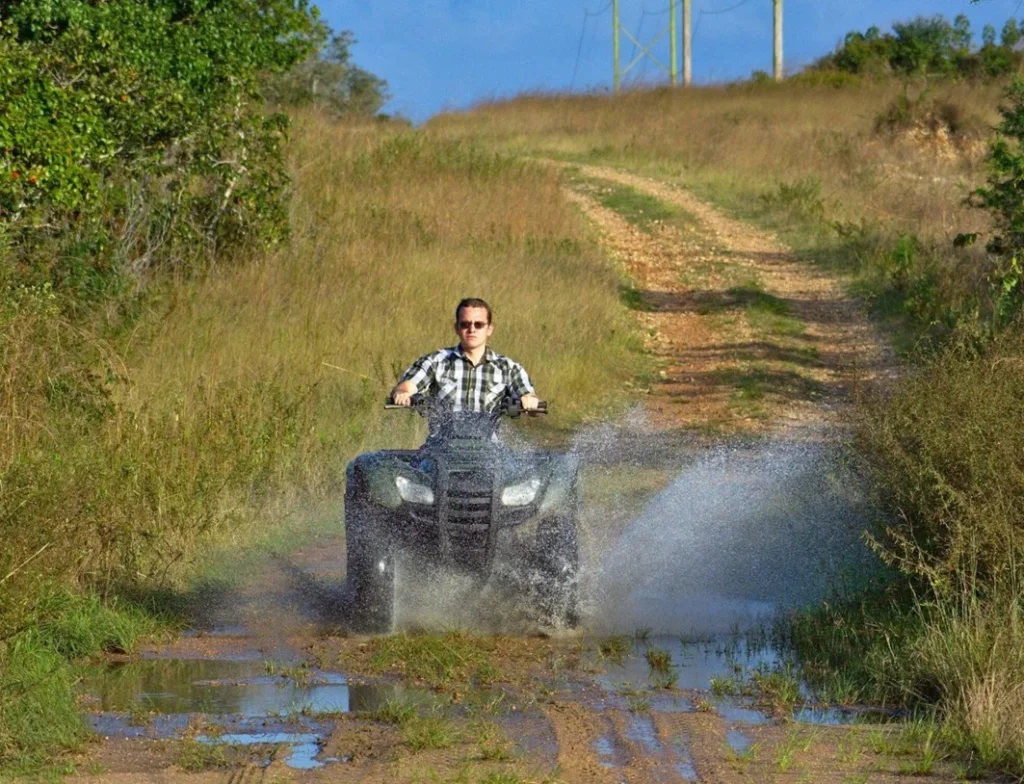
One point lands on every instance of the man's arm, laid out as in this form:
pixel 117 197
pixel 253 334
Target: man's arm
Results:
pixel 402 394
pixel 523 387
pixel 412 380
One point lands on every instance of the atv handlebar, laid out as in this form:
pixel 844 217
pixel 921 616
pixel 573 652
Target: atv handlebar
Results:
pixel 512 409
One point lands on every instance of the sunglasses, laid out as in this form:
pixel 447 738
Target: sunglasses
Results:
pixel 474 324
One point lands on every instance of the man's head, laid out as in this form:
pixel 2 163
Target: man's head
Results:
pixel 473 323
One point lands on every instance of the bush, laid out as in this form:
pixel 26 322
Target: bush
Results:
pixel 946 452
pixel 924 112
pixel 1003 198
pixel 927 46
pixel 133 132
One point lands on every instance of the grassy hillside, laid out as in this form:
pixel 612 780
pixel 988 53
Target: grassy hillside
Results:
pixel 853 176
pixel 204 409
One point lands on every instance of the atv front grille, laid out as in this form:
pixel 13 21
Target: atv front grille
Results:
pixel 467 517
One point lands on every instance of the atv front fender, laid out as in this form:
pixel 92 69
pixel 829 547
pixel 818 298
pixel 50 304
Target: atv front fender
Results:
pixel 372 476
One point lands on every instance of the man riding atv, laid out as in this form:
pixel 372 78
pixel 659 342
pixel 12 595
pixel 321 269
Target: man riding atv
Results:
pixel 470 376
pixel 463 501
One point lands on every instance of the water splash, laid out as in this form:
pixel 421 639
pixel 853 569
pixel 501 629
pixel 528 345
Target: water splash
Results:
pixel 738 535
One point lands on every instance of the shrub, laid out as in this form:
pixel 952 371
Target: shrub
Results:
pixel 946 453
pixel 1003 198
pixel 799 201
pixel 927 45
pixel 934 115
pixel 133 132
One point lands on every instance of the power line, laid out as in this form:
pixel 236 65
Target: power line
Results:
pixel 725 10
pixel 583 30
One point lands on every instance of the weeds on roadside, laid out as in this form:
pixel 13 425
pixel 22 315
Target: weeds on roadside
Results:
pixel 438 659
pixel 638 703
pixel 614 649
pixel 429 732
pixel 195 756
pixel 659 660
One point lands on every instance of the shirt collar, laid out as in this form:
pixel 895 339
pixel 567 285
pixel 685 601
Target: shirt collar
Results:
pixel 489 354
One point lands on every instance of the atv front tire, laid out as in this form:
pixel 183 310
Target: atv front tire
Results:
pixel 557 563
pixel 371 572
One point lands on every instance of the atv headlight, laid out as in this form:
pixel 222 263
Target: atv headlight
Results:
pixel 520 494
pixel 413 492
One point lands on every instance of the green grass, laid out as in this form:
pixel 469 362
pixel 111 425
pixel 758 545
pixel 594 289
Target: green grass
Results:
pixel 39 715
pixel 614 649
pixel 639 208
pixel 394 711
pixel 659 660
pixel 492 743
pixel 430 732
pixel 195 756
pixel 765 312
pixel 633 298
pixel 437 659
pixel 638 703
pixel 776 688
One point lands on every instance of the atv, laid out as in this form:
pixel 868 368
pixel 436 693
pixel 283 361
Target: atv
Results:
pixel 463 502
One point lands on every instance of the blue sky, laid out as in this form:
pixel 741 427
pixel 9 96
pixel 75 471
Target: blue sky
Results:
pixel 438 54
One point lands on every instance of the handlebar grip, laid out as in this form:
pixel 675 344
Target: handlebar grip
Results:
pixel 542 408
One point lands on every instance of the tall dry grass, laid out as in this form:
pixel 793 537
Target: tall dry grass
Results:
pixel 130 443
pixel 869 179
pixel 751 137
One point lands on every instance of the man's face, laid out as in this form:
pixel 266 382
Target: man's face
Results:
pixel 473 328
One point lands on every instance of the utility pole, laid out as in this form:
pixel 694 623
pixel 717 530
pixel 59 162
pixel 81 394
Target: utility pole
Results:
pixel 687 43
pixel 778 39
pixel 645 51
pixel 673 37
pixel 615 44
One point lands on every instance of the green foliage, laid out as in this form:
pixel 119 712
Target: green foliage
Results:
pixel 1003 199
pixel 438 659
pixel 133 132
pixel 38 711
pixel 328 79
pixel 945 450
pixel 927 45
pixel 798 201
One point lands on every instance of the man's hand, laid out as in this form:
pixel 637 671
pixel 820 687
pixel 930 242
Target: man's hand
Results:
pixel 402 394
pixel 529 402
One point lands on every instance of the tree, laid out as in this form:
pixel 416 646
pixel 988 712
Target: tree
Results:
pixel 328 79
pixel 922 45
pixel 962 33
pixel 988 35
pixel 133 132
pixel 1003 198
pixel 1011 34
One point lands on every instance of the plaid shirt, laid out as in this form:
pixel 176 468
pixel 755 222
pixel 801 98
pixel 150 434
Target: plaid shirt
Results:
pixel 449 375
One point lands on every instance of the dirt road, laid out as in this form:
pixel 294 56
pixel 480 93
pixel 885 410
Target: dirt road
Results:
pixel 674 677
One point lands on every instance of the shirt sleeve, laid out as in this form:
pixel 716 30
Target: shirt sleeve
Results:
pixel 521 384
pixel 420 371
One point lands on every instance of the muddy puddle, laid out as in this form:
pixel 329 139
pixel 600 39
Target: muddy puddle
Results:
pixel 691 665
pixel 249 702
pixel 715 672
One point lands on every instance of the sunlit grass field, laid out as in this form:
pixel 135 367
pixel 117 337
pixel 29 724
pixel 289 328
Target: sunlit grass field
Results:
pixel 844 174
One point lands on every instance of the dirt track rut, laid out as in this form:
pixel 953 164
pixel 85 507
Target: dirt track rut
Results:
pixel 703 287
